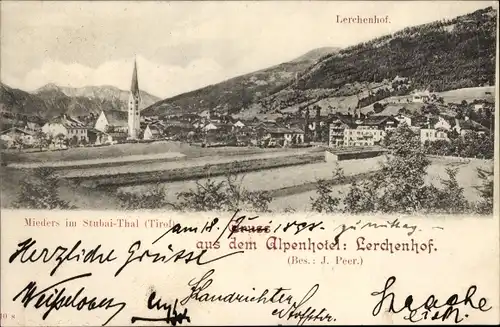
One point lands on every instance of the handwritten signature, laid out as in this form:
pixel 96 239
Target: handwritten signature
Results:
pixel 280 295
pixel 55 298
pixel 432 308
pixel 172 316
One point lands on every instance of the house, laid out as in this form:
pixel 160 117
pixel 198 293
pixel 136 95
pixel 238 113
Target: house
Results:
pixel 466 125
pixel 384 123
pixel 295 135
pixel 175 127
pixel 421 97
pixel 199 123
pixel 71 128
pixel 363 137
pixel 444 122
pixel 478 106
pixel 112 120
pixel 401 118
pixel 152 132
pixel 239 124
pixel 16 135
pixel 336 130
pixel 213 126
pixel 116 137
pixel 276 135
pixel 368 131
pixel 205 114
pixel 32 126
pixel 433 134
pixel 209 127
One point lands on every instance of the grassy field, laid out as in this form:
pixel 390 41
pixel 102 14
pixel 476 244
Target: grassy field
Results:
pixel 188 170
pixel 83 198
pixel 269 179
pixel 394 103
pixel 130 149
pixel 466 176
pixel 276 178
pixel 469 94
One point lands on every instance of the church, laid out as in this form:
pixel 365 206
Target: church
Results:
pixel 118 124
pixel 134 115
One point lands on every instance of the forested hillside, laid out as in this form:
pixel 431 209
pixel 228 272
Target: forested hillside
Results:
pixel 438 56
pixel 239 93
pixel 442 55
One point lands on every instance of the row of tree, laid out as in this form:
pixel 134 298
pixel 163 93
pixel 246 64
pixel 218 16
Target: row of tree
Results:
pixel 471 145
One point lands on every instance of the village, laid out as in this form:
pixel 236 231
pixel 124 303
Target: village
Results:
pixel 434 121
pixel 348 129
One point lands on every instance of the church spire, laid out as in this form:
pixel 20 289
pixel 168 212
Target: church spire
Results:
pixel 134 88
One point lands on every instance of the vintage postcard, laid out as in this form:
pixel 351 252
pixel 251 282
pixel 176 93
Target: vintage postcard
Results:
pixel 249 163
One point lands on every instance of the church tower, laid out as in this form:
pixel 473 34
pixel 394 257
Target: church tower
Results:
pixel 134 99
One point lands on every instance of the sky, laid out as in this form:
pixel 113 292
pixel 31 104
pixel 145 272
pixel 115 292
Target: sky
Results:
pixel 182 46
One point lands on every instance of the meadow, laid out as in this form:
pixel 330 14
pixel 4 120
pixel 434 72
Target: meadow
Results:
pixel 147 150
pixel 466 177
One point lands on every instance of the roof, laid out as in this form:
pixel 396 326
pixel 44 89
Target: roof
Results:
pixel 17 130
pixel 221 125
pixel 472 125
pixel 377 120
pixel 67 121
pixel 178 124
pixel 344 120
pixel 134 88
pixel 296 130
pixel 116 117
pixel 154 129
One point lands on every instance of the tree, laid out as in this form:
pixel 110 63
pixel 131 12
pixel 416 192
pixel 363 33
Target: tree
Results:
pixel 60 138
pixel 73 141
pixel 377 107
pixel 400 185
pixel 41 191
pixel 42 140
pixel 450 198
pixel 152 198
pixel 18 142
pixel 485 206
pixel 226 195
pixel 325 202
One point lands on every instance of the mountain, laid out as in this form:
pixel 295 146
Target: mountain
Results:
pixel 52 100
pixel 240 92
pixel 14 101
pixel 104 92
pixel 439 56
pixel 316 54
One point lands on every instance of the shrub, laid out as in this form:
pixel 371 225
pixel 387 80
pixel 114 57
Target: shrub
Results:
pixel 41 191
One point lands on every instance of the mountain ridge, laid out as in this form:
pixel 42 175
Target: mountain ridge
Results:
pixel 52 100
pixel 441 55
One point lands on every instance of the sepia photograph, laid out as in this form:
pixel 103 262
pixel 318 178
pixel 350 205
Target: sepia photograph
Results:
pixel 271 107
pixel 259 163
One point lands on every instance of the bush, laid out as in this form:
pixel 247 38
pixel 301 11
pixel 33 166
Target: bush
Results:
pixel 400 185
pixel 485 206
pixel 154 198
pixel 227 195
pixel 41 191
